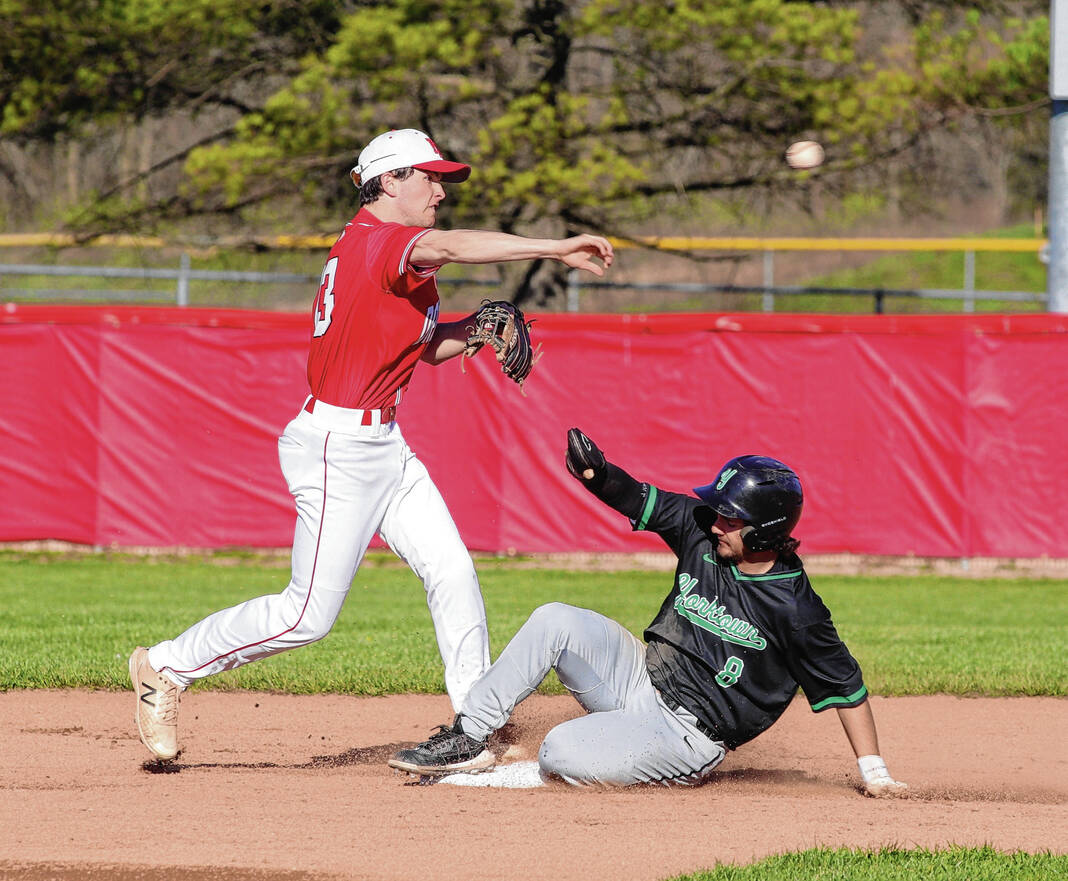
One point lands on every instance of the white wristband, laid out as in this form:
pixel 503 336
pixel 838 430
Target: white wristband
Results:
pixel 872 768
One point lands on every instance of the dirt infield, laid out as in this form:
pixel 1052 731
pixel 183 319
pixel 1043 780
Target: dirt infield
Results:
pixel 282 788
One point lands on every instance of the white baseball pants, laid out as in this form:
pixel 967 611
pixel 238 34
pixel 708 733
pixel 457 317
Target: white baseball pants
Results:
pixel 630 735
pixel 348 484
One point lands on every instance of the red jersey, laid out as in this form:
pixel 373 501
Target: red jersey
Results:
pixel 373 315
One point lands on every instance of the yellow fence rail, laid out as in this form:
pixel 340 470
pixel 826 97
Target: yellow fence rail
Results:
pixel 765 247
pixel 741 243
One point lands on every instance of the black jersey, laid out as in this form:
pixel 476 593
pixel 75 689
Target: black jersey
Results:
pixel 734 648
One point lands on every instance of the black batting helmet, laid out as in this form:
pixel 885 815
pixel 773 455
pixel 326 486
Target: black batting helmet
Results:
pixel 763 492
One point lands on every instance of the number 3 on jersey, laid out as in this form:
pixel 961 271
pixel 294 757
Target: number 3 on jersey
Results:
pixel 324 300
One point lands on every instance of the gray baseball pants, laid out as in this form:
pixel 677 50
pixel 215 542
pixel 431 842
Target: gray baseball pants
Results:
pixel 630 735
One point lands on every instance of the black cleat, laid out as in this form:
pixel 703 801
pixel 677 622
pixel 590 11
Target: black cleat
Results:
pixel 447 752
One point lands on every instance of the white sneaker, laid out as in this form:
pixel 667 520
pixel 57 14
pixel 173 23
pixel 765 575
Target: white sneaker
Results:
pixel 157 706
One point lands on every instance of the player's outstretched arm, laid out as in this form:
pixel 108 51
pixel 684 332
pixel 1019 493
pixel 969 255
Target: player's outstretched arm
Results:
pixel 441 246
pixel 859 725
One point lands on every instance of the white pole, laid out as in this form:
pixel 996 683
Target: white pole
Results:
pixel 1057 271
pixel 182 297
pixel 969 281
pixel 769 280
pixel 573 284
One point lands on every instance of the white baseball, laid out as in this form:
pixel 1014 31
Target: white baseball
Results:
pixel 804 154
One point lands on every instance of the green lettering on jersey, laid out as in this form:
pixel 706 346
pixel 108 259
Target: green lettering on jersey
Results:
pixel 709 615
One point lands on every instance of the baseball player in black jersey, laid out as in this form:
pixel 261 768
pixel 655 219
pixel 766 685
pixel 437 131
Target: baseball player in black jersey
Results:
pixel 739 633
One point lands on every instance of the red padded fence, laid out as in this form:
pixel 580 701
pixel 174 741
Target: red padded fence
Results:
pixel 934 436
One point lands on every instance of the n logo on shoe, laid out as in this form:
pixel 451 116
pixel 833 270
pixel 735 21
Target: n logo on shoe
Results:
pixel 149 692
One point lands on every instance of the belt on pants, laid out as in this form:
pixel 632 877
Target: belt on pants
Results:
pixel 345 416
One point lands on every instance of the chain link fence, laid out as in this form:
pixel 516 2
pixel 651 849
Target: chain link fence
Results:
pixel 748 269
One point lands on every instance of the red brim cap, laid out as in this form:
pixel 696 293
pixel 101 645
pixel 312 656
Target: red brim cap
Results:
pixel 451 172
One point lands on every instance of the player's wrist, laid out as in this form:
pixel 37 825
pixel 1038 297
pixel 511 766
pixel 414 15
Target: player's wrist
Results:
pixel 873 768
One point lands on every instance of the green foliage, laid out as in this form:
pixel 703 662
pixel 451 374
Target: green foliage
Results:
pixel 576 113
pixel 71 64
pixel 893 864
pixel 71 622
pixel 978 66
pixel 565 112
pixel 609 115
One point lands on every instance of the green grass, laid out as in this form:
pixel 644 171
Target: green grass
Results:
pixel 894 864
pixel 931 634
pixel 994 271
pixel 71 621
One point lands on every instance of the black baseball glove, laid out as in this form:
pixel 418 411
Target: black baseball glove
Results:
pixel 502 326
pixel 584 459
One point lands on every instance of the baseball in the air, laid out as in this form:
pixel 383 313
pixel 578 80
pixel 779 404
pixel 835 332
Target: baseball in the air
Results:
pixel 804 154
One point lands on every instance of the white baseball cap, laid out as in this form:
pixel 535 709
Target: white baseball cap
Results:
pixel 406 147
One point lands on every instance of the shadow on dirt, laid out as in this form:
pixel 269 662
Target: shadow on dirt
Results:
pixel 359 755
pixel 763 775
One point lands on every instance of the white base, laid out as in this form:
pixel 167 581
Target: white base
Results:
pixel 518 775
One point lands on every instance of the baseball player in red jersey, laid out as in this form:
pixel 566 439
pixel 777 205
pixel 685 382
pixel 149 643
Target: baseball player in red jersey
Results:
pixel 352 475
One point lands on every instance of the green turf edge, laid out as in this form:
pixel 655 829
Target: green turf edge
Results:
pixel 70 623
pixel 953 863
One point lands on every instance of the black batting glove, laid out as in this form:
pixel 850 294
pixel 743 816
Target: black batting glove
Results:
pixel 584 460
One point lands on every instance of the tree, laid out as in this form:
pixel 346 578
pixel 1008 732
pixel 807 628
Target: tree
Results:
pixel 76 69
pixel 70 63
pixel 599 114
